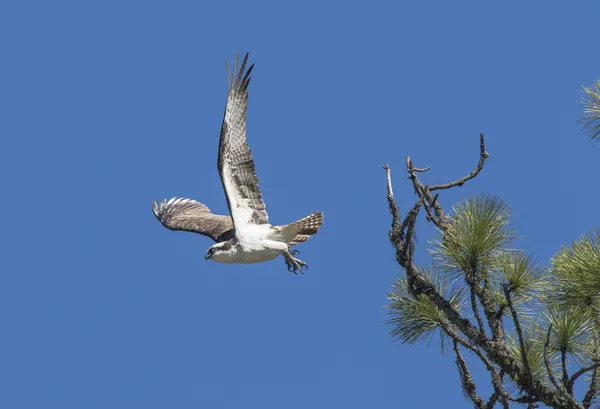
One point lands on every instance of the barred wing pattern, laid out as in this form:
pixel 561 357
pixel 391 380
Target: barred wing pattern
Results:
pixel 235 164
pixel 189 215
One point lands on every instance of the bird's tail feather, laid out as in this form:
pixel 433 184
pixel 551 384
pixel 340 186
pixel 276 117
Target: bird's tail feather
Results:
pixel 300 231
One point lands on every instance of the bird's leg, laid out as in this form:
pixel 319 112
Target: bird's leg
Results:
pixel 294 265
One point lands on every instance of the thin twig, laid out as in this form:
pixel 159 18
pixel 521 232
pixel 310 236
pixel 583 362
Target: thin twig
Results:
pixel 396 231
pixel 547 361
pixel 456 337
pixel 421 191
pixel 434 201
pixel 412 214
pixel 466 378
pixel 578 374
pixel 389 181
pixel 483 155
pixel 519 332
pixel 559 386
pixel 497 381
pixel 391 201
pixel 476 312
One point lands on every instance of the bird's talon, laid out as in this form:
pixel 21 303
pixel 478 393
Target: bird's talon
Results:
pixel 294 265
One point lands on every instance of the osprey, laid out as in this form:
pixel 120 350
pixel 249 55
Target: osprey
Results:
pixel 246 236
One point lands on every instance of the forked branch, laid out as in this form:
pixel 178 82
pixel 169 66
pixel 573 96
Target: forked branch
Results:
pixel 467 380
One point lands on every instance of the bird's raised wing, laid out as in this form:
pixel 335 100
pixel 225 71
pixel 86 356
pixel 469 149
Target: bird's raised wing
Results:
pixel 189 215
pixel 236 167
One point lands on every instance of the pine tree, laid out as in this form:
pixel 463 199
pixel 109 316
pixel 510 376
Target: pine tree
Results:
pixel 535 328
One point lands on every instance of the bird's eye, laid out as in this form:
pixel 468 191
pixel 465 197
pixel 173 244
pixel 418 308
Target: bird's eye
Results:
pixel 212 251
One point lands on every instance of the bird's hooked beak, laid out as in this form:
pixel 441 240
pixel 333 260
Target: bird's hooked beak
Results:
pixel 207 257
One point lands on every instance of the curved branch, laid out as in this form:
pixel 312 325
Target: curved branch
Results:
pixel 578 374
pixel 483 155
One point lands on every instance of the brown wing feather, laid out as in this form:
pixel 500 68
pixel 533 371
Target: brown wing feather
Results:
pixel 235 164
pixel 189 215
pixel 300 231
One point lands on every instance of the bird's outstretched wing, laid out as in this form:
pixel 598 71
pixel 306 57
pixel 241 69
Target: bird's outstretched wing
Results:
pixel 189 215
pixel 236 167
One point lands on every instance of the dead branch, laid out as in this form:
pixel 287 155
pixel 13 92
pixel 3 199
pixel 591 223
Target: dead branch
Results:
pixel 483 155
pixel 494 352
pixel 497 381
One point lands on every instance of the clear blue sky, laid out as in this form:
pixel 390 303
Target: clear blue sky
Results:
pixel 107 105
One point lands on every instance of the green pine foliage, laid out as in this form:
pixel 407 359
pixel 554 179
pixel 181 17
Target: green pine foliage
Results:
pixel 558 305
pixel 591 110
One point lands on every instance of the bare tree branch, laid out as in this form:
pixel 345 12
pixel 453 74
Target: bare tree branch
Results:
pixel 578 374
pixel 466 378
pixel 420 190
pixel 483 155
pixel 475 309
pixel 492 400
pixel 440 221
pixel 497 381
pixel 389 181
pixel 392 202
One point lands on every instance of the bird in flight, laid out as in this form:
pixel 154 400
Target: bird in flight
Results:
pixel 246 236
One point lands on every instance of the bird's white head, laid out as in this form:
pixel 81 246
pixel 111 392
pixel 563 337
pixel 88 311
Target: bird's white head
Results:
pixel 220 252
